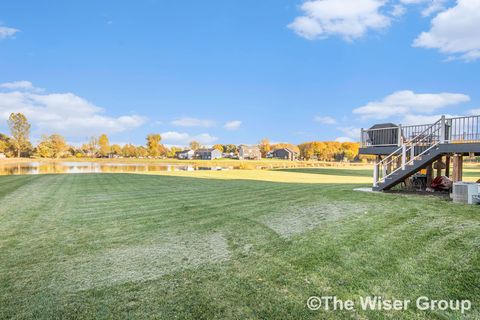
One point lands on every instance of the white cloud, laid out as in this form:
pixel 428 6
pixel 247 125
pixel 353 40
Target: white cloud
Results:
pixel 20 85
pixel 344 139
pixel 6 32
pixel 173 136
pixel 183 138
pixel 408 102
pixel 473 112
pixel 307 27
pixel 193 122
pixel 63 113
pixel 324 120
pixel 351 132
pixel 412 1
pixel 233 125
pixel 455 31
pixel 350 19
pixel 411 119
pixel 398 10
pixel 432 6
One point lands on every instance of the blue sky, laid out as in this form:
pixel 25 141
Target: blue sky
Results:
pixel 236 71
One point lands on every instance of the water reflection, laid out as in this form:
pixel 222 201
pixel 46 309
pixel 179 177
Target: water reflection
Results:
pixel 91 167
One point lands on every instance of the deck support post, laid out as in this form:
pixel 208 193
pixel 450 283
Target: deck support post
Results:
pixel 399 138
pixel 442 130
pixel 375 171
pixel 362 134
pixel 457 168
pixel 447 166
pixel 429 175
pixel 439 167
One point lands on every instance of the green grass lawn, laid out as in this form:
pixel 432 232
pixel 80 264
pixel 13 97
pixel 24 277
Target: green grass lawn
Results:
pixel 189 247
pixel 347 171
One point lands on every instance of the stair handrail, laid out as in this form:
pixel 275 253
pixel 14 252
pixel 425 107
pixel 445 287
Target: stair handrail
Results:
pixel 390 155
pixel 421 134
pixel 421 154
pixel 406 148
pixel 413 159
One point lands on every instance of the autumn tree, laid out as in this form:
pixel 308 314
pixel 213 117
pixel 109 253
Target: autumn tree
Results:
pixel 350 150
pixel 129 150
pixel 53 146
pixel 230 148
pixel 265 147
pixel 142 152
pixel 219 147
pixel 92 147
pixel 329 151
pixel 172 152
pixel 116 149
pixel 307 150
pixel 5 145
pixel 194 145
pixel 104 145
pixel 153 144
pixel 20 130
pixel 162 150
pixel 333 149
pixel 44 149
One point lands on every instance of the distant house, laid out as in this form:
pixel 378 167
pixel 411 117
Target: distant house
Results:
pixel 249 152
pixel 185 154
pixel 284 153
pixel 2 155
pixel 208 154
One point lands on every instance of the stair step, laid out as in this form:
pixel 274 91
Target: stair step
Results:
pixel 397 176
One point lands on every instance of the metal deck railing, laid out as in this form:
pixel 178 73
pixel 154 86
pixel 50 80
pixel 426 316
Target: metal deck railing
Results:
pixel 457 130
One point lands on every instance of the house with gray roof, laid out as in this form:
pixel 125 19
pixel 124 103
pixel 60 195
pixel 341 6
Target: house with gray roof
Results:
pixel 285 154
pixel 185 154
pixel 208 154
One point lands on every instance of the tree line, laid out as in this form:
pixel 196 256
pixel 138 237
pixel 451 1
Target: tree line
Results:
pixel 55 146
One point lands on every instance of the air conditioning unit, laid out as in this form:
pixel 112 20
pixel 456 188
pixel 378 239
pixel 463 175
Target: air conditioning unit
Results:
pixel 476 199
pixel 464 192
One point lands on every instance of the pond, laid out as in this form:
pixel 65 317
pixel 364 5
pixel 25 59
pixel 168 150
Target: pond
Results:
pixel 92 167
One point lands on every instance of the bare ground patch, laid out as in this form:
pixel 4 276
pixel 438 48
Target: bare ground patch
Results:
pixel 141 263
pixel 295 220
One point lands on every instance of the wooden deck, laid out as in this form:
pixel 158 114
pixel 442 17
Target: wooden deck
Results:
pixel 402 151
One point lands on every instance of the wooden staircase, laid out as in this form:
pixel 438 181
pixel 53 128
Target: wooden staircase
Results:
pixel 411 168
pixel 412 156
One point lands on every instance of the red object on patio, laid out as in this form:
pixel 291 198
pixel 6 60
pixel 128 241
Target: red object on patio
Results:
pixel 441 183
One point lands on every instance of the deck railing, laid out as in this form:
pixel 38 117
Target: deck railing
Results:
pixel 463 129
pixel 455 130
pixel 412 145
